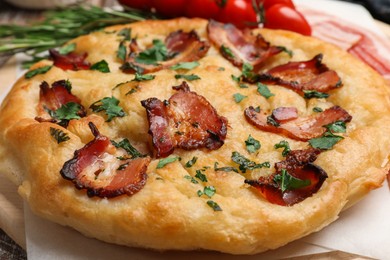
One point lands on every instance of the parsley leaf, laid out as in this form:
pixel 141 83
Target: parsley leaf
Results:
pixel 314 94
pixel 187 77
pixel 59 135
pixel 185 65
pixel 252 145
pixel 126 145
pixel 192 179
pixel 209 191
pixel 40 70
pixel 200 176
pixel 225 168
pixel 317 109
pixel 337 127
pixel 284 49
pixel 140 77
pixel 246 164
pixel 214 205
pixel 67 49
pixel 191 162
pixel 272 121
pixel 288 182
pixel 110 106
pixel 121 53
pixel 226 51
pixel 67 111
pixel 166 161
pixel 131 66
pixel 235 78
pixel 283 144
pixel 101 66
pixel 325 142
pixel 126 33
pixel 264 90
pixel 158 52
pixel 238 97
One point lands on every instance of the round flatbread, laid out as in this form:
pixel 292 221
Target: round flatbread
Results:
pixel 222 188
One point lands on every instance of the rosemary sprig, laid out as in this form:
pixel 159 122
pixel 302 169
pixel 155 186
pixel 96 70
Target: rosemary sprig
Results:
pixel 60 26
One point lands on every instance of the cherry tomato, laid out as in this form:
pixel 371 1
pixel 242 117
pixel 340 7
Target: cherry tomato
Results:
pixel 170 8
pixel 238 12
pixel 268 3
pixel 202 8
pixel 137 4
pixel 283 17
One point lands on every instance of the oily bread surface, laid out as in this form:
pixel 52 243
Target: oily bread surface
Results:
pixel 168 213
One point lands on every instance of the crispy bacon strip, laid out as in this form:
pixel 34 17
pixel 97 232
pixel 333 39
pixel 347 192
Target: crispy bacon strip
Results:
pixel 187 120
pixel 71 61
pixel 301 128
pixel 285 114
pixel 89 169
pixel 298 164
pixel 181 47
pixel 302 75
pixel 243 45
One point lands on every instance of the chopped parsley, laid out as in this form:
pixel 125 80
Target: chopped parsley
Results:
pixel 67 49
pixel 40 70
pixel 264 90
pixel 284 49
pixel 131 66
pixel 317 109
pixel 209 191
pixel 121 53
pixel 126 33
pixel 242 85
pixel 226 51
pixel 139 77
pixel 192 179
pixel 272 121
pixel 235 78
pixel 200 176
pixel 185 65
pixel 314 94
pixel 225 168
pixel 221 69
pixel 110 106
pixel 158 52
pixel 238 97
pixel 337 127
pixel 214 205
pixel 283 144
pixel 246 164
pixel 191 162
pixel 187 77
pixel 59 135
pixel 101 66
pixel 166 161
pixel 126 145
pixel 328 139
pixel 66 112
pixel 288 182
pixel 131 91
pixel 252 145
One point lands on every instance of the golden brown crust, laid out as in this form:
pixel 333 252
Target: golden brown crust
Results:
pixel 167 213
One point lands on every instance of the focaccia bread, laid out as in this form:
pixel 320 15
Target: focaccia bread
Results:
pixel 188 134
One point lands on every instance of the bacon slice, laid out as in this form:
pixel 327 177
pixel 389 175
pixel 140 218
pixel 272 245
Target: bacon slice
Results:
pixel 187 120
pixel 70 61
pixel 302 75
pixel 301 128
pixel 298 164
pixel 284 114
pixel 244 46
pixel 181 47
pixel 91 168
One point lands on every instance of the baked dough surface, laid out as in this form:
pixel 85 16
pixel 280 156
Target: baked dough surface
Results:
pixel 168 213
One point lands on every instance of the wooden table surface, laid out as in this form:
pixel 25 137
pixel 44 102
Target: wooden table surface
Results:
pixel 13 205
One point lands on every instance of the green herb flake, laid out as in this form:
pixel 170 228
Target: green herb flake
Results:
pixel 126 33
pixel 214 205
pixel 161 163
pixel 64 50
pixel 191 162
pixel 283 144
pixel 185 65
pixel 209 191
pixel 110 106
pixel 190 77
pixel 131 66
pixel 122 166
pixel 40 70
pixel 158 52
pixel 226 51
pixel 252 145
pixel 235 78
pixel 200 193
pixel 68 111
pixel 121 53
pixel 126 145
pixel 221 69
pixel 188 177
pixel 202 177
pixel 284 49
pixel 325 142
pixel 272 121
pixel 59 135
pixel 288 182
pixel 225 168
pixel 317 109
pixel 246 164
pixel 238 97
pixel 264 90
pixel 139 77
pixel 101 66
pixel 242 85
pixel 314 94
pixel 337 127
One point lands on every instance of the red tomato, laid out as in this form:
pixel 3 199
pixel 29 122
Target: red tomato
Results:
pixel 170 8
pixel 202 8
pixel 137 4
pixel 268 3
pixel 238 12
pixel 283 17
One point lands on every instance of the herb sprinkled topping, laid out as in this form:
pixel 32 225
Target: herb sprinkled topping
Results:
pixel 101 66
pixel 126 145
pixel 40 70
pixel 246 164
pixel 317 109
pixel 191 162
pixel 225 168
pixel 200 175
pixel 214 205
pixel 192 179
pixel 158 52
pixel 59 135
pixel 166 161
pixel 185 65
pixel 288 182
pixel 227 51
pixel 314 94
pixel 110 106
pixel 283 144
pixel 252 145
pixel 264 90
pixel 139 77
pixel 209 191
pixel 125 33
pixel 329 139
pixel 238 97
pixel 190 77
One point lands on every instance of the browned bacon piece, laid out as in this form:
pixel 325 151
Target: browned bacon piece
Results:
pixel 302 75
pixel 87 170
pixel 181 47
pixel 239 46
pixel 300 128
pixel 70 61
pixel 295 179
pixel 187 120
pixel 284 114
